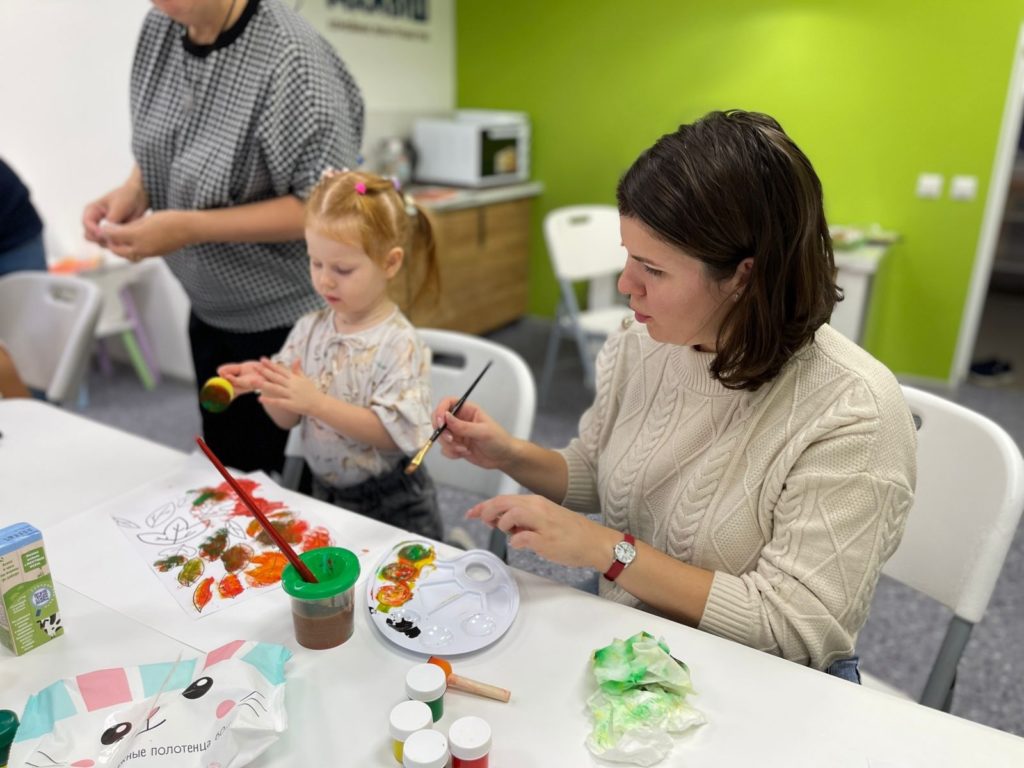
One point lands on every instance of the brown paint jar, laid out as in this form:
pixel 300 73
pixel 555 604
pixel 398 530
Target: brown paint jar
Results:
pixel 323 611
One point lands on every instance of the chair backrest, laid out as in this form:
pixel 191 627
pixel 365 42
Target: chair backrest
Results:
pixel 584 243
pixel 47 322
pixel 968 502
pixel 507 393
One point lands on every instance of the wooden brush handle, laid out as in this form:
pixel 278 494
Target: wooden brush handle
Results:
pixel 480 689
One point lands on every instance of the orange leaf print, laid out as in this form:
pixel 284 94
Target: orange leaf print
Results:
pixel 291 528
pixel 236 557
pixel 230 586
pixel 267 571
pixel 249 486
pixel 203 593
pixel 318 537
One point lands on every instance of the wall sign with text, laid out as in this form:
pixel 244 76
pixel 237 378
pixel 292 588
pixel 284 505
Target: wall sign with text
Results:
pixel 401 52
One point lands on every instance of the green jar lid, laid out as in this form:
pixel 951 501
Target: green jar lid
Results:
pixel 336 570
pixel 8 727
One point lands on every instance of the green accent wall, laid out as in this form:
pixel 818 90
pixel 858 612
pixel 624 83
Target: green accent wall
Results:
pixel 874 91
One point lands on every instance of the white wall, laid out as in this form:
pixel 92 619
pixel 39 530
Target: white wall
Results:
pixel 65 128
pixel 64 91
pixel 405 67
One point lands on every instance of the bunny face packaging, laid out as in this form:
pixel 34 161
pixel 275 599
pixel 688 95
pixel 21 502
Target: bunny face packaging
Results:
pixel 220 710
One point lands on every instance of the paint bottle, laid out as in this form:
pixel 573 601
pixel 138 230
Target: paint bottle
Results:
pixel 407 718
pixel 426 749
pixel 8 727
pixel 469 740
pixel 426 683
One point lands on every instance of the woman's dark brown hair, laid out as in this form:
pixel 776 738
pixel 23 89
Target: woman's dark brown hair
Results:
pixel 733 186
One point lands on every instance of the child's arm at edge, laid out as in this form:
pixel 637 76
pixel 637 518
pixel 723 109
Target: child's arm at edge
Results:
pixel 353 421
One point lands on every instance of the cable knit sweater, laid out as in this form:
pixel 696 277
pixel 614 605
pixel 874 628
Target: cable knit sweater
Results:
pixel 794 495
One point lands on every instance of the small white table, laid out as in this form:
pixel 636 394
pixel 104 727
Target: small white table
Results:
pixel 761 710
pixel 120 316
pixel 856 268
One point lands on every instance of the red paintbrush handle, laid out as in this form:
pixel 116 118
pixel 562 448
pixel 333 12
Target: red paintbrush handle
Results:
pixel 286 550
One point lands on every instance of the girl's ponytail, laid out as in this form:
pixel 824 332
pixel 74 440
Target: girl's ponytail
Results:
pixel 421 261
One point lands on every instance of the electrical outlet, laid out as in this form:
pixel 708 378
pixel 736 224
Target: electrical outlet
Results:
pixel 929 185
pixel 963 187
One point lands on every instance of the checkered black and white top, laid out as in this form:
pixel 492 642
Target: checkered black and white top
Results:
pixel 258 114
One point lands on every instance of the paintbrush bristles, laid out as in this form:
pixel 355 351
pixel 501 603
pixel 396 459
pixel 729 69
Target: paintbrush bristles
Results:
pixel 418 458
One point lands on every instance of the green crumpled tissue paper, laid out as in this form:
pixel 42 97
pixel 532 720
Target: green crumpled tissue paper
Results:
pixel 640 701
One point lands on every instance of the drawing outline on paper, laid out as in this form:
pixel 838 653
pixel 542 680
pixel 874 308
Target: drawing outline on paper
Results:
pixel 208 550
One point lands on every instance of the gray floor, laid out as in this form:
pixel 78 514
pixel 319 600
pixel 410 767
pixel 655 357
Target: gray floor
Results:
pixel 999 332
pixel 902 634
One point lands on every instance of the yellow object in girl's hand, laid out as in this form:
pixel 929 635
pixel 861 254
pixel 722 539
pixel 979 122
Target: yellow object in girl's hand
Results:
pixel 216 394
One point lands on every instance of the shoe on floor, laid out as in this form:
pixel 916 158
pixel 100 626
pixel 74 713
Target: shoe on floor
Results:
pixel 992 372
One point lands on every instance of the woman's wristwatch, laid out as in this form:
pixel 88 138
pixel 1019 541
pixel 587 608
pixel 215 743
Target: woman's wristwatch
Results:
pixel 624 553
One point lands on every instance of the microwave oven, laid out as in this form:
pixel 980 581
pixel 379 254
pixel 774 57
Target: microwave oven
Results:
pixel 473 148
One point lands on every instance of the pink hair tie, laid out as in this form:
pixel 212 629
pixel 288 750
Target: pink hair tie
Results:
pixel 360 188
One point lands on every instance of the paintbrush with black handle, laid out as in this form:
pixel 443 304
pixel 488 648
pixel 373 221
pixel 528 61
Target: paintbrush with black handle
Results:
pixel 418 458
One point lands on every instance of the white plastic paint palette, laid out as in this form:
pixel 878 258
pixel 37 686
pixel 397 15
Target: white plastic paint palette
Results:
pixel 447 607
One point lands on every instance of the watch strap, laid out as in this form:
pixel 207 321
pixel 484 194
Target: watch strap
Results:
pixel 613 573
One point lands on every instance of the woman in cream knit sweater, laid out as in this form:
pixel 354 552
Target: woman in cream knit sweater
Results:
pixel 753 468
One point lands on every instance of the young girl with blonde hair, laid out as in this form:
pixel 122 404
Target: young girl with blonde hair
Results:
pixel 355 375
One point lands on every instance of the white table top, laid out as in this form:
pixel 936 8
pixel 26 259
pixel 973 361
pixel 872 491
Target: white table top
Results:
pixel 55 464
pixel 864 259
pixel 761 710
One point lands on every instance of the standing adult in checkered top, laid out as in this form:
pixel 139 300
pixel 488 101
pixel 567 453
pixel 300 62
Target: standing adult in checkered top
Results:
pixel 237 108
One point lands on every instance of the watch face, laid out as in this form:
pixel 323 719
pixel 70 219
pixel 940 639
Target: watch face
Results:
pixel 625 552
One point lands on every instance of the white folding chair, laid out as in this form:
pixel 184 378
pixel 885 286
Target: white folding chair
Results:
pixel 584 244
pixel 507 393
pixel 968 502
pixel 47 323
pixel 294 461
pixel 121 318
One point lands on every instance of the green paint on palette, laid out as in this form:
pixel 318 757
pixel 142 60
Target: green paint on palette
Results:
pixel 413 553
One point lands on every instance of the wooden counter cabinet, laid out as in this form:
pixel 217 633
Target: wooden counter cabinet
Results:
pixel 483 262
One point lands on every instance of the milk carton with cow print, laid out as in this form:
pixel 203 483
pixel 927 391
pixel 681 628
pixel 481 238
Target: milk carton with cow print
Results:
pixel 28 603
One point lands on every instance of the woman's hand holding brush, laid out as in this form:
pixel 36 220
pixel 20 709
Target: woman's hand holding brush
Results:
pixel 473 435
pixel 465 431
pixel 453 407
